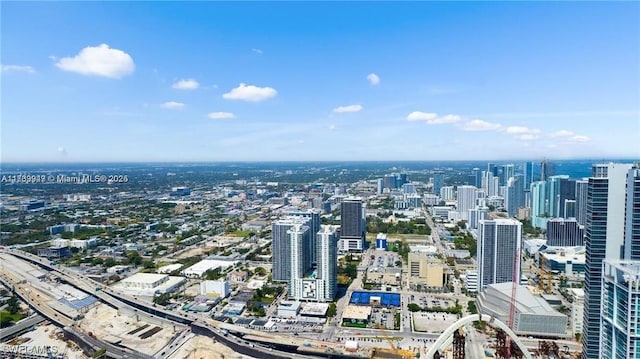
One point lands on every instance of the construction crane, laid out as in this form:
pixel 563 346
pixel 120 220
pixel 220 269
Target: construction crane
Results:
pixel 512 305
pixel 397 353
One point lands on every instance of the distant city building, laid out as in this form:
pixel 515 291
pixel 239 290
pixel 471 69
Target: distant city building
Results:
pixel 499 245
pixel 438 182
pixel 539 205
pixel 581 201
pixel 504 173
pixel 515 194
pixel 180 191
pixel 564 232
pixel 547 169
pixel 447 193
pixel 466 200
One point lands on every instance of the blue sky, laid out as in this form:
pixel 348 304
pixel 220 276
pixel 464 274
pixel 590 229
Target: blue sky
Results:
pixel 210 81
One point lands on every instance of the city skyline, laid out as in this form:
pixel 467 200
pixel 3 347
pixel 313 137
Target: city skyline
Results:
pixel 131 82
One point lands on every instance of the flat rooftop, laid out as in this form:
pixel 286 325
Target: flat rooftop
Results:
pixel 356 312
pixel 146 278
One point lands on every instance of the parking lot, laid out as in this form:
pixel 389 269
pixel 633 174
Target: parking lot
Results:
pixel 432 322
pixel 430 301
pixel 302 325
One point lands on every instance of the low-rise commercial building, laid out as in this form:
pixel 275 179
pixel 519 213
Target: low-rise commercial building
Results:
pixel 534 316
pixel 150 284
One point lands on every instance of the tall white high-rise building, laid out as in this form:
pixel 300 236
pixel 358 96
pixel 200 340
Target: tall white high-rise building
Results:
pixel 298 235
pixel 466 200
pixel 319 285
pixel 604 240
pixel 499 246
pixel 619 335
pixel 281 246
pixel 620 294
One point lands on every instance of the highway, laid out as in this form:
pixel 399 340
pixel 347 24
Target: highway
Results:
pixel 119 300
pixel 21 326
pixel 37 300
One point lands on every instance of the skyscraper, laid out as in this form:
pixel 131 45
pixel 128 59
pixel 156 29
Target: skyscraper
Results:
pixel 619 323
pixel 554 185
pixel 506 172
pixel 619 336
pixel 566 193
pixel 281 246
pixel 539 204
pixel 499 244
pixel 547 169
pixel 632 215
pixel 527 172
pixel 605 229
pixel 314 225
pixel 515 194
pixel 352 224
pixel 581 201
pixel 326 252
pixel 438 182
pixel 564 233
pixel 299 258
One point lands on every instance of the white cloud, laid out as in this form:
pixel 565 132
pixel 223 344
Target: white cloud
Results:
pixel 172 105
pixel 373 79
pixel 18 68
pixel 479 125
pixel 350 108
pixel 527 137
pixel 220 115
pixel 62 151
pixel 257 51
pixel 186 84
pixel 100 60
pixel 580 138
pixel 432 118
pixel 421 116
pixel 332 127
pixel 562 133
pixel 519 130
pixel 250 93
pixel 445 119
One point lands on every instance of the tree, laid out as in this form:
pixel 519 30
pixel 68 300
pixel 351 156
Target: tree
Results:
pixel 471 307
pixel 162 299
pixel 109 262
pixel 413 307
pixel 332 311
pixel 13 306
pixel 5 321
pixel 260 271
